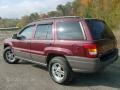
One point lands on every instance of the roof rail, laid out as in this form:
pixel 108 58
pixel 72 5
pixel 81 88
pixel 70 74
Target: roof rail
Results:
pixel 58 17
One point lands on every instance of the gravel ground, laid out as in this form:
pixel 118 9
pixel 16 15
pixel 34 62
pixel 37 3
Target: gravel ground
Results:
pixel 27 76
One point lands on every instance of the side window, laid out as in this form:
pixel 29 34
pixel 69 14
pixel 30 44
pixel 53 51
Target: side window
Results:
pixel 44 32
pixel 27 32
pixel 69 31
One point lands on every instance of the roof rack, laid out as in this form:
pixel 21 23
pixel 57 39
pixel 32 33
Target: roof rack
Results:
pixel 58 17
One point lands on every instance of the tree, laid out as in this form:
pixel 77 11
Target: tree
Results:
pixel 108 10
pixel 68 9
pixel 27 19
pixel 53 14
pixel 61 10
pixel 23 21
pixel 44 16
pixel 34 16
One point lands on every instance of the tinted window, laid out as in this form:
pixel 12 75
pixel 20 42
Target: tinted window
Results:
pixel 69 31
pixel 27 32
pixel 99 29
pixel 44 32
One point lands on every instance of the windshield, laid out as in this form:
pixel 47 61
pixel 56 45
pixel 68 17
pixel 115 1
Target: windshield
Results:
pixel 99 29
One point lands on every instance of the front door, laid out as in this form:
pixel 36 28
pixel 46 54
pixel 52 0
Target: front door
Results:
pixel 22 46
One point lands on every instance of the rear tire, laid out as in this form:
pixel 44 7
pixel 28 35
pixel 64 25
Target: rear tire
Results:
pixel 9 56
pixel 60 71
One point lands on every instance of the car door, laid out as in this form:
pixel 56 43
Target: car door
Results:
pixel 43 38
pixel 22 46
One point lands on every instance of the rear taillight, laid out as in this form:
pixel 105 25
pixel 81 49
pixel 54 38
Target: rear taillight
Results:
pixel 91 50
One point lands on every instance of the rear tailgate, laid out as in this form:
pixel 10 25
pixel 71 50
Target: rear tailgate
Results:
pixel 102 35
pixel 105 46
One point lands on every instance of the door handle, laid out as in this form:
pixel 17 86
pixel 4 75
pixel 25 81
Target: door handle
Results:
pixel 27 42
pixel 48 44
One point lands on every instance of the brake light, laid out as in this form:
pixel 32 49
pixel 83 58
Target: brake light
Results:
pixel 91 50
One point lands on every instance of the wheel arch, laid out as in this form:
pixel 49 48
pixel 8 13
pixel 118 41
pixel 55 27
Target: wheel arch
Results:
pixel 7 45
pixel 52 55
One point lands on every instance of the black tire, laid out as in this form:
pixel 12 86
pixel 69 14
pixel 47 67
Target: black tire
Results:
pixel 6 50
pixel 68 74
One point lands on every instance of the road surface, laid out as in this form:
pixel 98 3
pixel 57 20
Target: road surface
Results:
pixel 27 76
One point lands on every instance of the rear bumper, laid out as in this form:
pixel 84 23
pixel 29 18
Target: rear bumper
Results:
pixel 89 65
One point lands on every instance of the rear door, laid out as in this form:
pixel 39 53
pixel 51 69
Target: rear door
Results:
pixel 102 35
pixel 43 38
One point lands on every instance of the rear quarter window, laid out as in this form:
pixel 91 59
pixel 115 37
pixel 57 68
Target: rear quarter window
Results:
pixel 99 29
pixel 69 31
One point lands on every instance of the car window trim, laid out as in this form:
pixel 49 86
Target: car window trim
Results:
pixel 49 23
pixel 83 31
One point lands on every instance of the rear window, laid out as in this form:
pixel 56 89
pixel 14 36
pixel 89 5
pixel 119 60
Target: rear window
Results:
pixel 99 29
pixel 69 31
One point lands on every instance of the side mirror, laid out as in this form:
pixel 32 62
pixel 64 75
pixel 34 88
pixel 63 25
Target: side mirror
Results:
pixel 14 36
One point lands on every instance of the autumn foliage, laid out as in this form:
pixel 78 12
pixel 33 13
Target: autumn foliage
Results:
pixel 108 10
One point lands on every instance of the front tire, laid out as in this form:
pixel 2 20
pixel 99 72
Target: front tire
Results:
pixel 9 56
pixel 60 71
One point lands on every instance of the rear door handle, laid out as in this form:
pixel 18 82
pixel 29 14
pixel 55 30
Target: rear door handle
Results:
pixel 27 42
pixel 48 43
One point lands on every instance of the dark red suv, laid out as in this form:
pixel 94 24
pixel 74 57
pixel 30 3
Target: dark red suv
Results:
pixel 64 45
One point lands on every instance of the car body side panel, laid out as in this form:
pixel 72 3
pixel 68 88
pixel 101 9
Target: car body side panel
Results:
pixel 38 49
pixel 57 50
